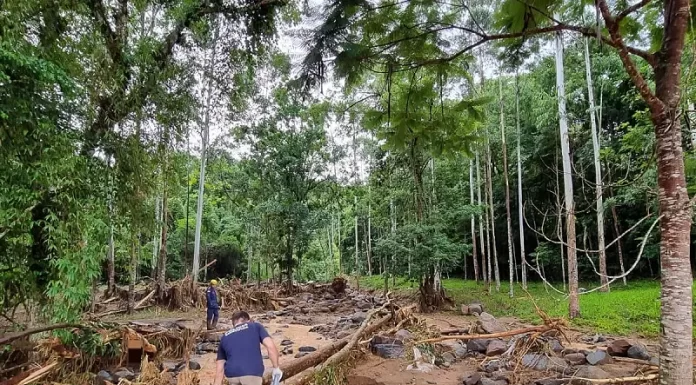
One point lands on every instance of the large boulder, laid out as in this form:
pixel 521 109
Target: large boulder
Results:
pixel 496 347
pixel 488 324
pixel 478 345
pixel 388 350
pixel 589 372
pixel 576 358
pixel 535 361
pixel 639 352
pixel 598 357
pixel 104 377
pixel 475 308
pixel 618 348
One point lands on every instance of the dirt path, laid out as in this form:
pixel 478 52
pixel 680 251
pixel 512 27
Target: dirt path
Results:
pixel 298 334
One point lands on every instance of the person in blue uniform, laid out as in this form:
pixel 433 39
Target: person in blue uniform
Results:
pixel 239 355
pixel 211 300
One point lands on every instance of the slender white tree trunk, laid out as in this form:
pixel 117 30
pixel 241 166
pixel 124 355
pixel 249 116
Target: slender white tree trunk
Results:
pixel 357 247
pixel 369 229
pixel 493 254
pixel 484 246
pixel 520 212
pixel 511 247
pixel 473 220
pixel 573 303
pixel 691 116
pixel 598 173
pixel 156 237
pixel 204 149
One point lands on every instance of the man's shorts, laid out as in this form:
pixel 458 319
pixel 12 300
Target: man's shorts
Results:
pixel 246 380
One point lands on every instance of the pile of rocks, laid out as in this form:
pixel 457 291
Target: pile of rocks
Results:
pixel 391 346
pixel 168 369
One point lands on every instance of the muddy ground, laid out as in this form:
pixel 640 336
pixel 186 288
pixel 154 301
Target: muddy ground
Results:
pixel 311 321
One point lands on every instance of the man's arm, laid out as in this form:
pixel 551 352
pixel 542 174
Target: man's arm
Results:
pixel 219 372
pixel 272 351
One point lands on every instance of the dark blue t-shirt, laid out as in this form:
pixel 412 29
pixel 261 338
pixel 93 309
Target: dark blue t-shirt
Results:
pixel 240 347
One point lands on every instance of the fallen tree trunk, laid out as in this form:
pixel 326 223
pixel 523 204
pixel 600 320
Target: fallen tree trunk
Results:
pixel 465 337
pixel 618 380
pixel 337 354
pixel 298 366
pixel 7 339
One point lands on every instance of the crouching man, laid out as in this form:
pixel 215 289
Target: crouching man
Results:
pixel 239 355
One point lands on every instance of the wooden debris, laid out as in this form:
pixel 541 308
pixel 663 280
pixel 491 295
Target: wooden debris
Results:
pixel 619 380
pixel 465 337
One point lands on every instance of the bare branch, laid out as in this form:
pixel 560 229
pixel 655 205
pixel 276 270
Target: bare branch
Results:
pixel 653 102
pixel 631 9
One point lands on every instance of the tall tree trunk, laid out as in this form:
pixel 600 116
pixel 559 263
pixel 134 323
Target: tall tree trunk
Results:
pixel 559 225
pixel 604 281
pixel 690 117
pixel 357 240
pixel 473 220
pixel 520 211
pixel 162 260
pixel 573 303
pixel 511 247
pixel 133 268
pixel 485 262
pixel 204 153
pixel 156 238
pixel 111 263
pixel 369 231
pixel 493 254
pixel 617 231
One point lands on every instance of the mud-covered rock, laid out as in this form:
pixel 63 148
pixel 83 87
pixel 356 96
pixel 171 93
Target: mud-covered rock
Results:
pixel 478 345
pixel 488 324
pixel 475 308
pixel 492 366
pixel 286 343
pixel 471 378
pixel 576 358
pixel 103 377
pixel 124 373
pixel 618 348
pixel 307 349
pixel 389 351
pixel 490 381
pixel 496 347
pixel 535 361
pixel 639 352
pixel 591 372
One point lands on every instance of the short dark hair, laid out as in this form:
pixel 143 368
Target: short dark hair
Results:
pixel 240 315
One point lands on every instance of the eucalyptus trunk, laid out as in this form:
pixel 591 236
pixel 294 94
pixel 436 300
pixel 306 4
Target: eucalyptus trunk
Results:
pixel 162 260
pixel 571 250
pixel 133 268
pixel 604 281
pixel 520 206
pixel 511 247
pixel 473 221
pixel 484 246
pixel 493 254
pixel 204 152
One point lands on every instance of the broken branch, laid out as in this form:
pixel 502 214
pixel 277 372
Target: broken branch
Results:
pixel 466 337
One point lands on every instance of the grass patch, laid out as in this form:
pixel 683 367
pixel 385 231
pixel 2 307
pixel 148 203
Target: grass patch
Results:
pixel 631 310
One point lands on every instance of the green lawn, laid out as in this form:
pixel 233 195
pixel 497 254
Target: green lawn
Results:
pixel 634 309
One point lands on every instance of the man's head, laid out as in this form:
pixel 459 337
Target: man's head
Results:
pixel 213 282
pixel 239 317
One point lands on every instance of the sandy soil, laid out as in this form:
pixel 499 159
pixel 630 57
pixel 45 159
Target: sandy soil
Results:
pixel 280 331
pixel 393 372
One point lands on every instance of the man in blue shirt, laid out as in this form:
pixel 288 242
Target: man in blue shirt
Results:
pixel 239 355
pixel 212 305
